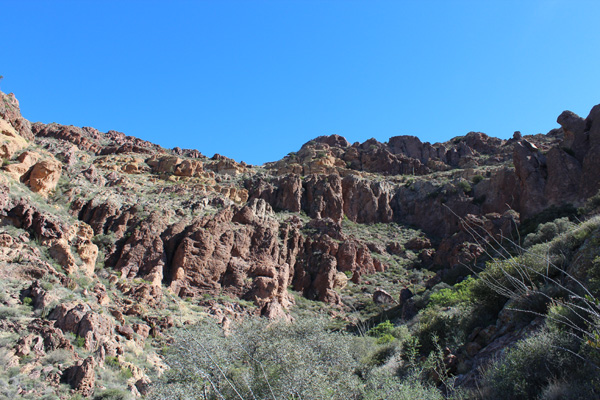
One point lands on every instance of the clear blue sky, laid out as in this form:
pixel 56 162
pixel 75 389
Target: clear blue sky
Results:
pixel 254 80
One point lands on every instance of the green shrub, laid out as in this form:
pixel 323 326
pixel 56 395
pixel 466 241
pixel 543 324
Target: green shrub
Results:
pixel 476 179
pixel 449 325
pixel 548 231
pixel 385 339
pixel 465 186
pixel 530 225
pixel 379 355
pixel 532 365
pixel 458 294
pixel 384 328
pixel 112 361
pixel 79 341
pixel 382 383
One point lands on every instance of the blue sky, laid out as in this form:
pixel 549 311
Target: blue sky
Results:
pixel 254 80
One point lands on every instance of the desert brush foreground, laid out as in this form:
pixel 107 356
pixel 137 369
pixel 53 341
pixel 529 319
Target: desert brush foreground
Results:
pixel 468 269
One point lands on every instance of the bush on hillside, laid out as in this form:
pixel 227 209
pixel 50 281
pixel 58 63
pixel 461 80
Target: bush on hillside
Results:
pixel 536 363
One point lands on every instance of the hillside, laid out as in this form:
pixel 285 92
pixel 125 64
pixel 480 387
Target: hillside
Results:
pixel 380 270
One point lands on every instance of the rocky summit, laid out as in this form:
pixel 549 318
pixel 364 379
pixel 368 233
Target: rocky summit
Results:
pixel 463 269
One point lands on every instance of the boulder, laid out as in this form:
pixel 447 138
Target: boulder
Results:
pixel 380 296
pixel 44 176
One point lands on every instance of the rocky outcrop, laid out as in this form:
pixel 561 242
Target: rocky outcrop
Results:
pixel 92 140
pixel 11 112
pixel 44 175
pixel 238 251
pixel 566 174
pixel 23 214
pixel 96 329
pixel 142 255
pixel 402 155
pixel 82 377
pixel 76 240
pixel 26 160
pixel 10 141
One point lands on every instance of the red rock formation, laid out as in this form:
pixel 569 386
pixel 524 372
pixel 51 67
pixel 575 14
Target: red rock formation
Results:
pixel 10 111
pixel 82 376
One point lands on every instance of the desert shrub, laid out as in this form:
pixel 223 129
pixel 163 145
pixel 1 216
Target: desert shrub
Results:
pixel 550 214
pixel 380 354
pixel 80 341
pixel 465 186
pixel 13 313
pixel 113 394
pixel 59 356
pixel 447 325
pixel 381 383
pixel 548 231
pixel 461 293
pixel 28 301
pixel 592 205
pixel 104 241
pixel 382 329
pixel 563 389
pixel 257 359
pixel 477 178
pixel 261 359
pixel 532 365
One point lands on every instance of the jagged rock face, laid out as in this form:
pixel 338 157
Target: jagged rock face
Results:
pixel 23 214
pixel 323 197
pixel 243 251
pixel 83 138
pixel 590 179
pixel 366 201
pixel 530 167
pixel 402 155
pixel 566 174
pixel 498 193
pixel 10 111
pixel 237 251
pixel 327 196
pixel 82 377
pixel 142 254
